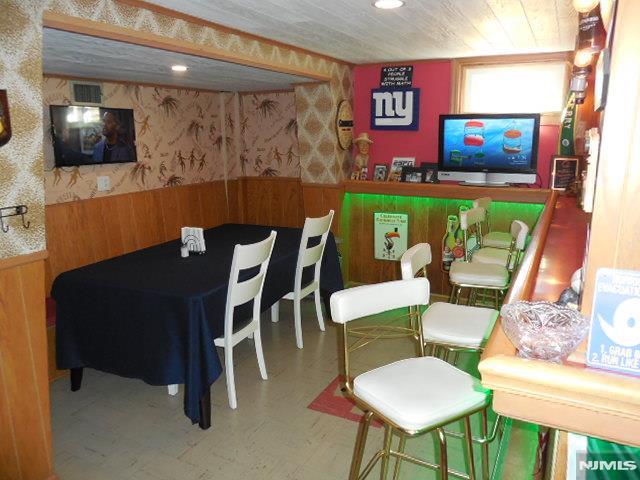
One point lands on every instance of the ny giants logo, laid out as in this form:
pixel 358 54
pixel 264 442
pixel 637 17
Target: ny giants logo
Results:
pixel 396 109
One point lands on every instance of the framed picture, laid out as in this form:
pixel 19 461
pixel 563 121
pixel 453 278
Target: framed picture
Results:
pixel 430 172
pixel 564 172
pixel 364 172
pixel 380 171
pixel 412 175
pixel 395 173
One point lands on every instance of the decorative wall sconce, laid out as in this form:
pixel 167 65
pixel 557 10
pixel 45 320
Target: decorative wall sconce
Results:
pixel 14 211
pixel 5 120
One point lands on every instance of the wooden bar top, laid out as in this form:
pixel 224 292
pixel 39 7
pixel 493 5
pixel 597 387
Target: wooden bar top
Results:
pixel 568 396
pixel 448 190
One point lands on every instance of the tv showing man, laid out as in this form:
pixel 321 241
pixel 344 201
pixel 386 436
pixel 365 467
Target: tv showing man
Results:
pixel 113 147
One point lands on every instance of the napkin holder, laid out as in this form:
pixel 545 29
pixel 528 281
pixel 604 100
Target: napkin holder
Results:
pixel 193 239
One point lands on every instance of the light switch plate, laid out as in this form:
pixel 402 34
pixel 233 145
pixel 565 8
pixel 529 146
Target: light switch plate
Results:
pixel 104 183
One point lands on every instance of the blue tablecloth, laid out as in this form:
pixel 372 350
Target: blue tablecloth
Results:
pixel 153 315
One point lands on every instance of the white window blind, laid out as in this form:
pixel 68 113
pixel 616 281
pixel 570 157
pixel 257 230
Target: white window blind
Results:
pixel 520 88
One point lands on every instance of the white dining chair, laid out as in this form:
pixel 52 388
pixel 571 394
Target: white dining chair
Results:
pixel 307 257
pixel 245 257
pixel 492 238
pixel 411 397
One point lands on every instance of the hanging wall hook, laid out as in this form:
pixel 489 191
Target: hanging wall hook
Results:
pixel 14 211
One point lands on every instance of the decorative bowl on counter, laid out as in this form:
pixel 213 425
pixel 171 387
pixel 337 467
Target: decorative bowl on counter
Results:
pixel 543 330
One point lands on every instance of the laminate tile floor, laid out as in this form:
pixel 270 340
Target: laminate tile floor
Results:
pixel 118 428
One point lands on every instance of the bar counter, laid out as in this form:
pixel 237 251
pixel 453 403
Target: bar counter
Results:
pixel 569 396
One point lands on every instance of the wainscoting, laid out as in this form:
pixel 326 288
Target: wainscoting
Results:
pixel 87 231
pixel 25 424
pixel 271 201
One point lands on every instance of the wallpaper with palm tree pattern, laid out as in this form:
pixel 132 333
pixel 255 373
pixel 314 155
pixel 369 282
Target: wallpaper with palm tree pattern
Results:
pixel 180 139
pixel 269 133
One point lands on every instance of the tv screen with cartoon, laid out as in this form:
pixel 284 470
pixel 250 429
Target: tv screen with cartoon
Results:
pixel 491 143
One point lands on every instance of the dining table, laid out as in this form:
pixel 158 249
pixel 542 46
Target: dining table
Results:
pixel 153 315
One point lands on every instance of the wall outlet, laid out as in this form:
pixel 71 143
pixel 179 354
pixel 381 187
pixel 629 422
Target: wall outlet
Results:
pixel 104 183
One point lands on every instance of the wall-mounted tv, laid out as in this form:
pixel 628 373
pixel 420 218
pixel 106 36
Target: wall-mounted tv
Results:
pixel 475 144
pixel 92 135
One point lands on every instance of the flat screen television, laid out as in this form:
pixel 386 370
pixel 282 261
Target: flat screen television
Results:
pixel 92 135
pixel 489 148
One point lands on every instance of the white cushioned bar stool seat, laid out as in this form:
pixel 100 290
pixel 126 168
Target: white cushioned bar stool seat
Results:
pixel 458 325
pixel 492 255
pixel 420 393
pixel 497 240
pixel 482 274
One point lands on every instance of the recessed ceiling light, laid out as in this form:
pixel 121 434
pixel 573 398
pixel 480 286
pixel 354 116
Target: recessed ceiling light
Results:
pixel 179 68
pixel 388 4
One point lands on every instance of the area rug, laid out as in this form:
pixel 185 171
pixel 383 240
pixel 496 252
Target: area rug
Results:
pixel 333 402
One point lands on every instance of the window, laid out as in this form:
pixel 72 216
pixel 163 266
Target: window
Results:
pixel 512 86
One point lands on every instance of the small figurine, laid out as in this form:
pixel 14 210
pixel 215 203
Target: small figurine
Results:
pixel 361 161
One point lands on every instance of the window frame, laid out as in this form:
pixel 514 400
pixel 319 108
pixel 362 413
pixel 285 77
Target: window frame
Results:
pixel 460 65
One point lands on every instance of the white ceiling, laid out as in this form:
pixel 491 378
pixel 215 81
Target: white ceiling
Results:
pixel 83 56
pixel 355 31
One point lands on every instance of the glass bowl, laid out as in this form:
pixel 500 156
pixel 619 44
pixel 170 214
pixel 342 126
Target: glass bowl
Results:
pixel 543 330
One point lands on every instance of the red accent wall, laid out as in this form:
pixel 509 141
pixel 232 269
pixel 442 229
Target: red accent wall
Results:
pixel 435 83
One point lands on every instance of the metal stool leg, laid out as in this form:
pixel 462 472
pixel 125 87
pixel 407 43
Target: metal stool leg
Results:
pixel 444 466
pixel 485 446
pixel 401 445
pixel 361 440
pixel 469 442
pixel 384 467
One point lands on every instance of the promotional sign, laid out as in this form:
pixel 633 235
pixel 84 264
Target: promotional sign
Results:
pixel 614 339
pixel 395 108
pixel 396 76
pixel 390 235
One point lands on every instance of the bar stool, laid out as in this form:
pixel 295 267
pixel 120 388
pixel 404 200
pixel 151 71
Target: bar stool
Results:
pixel 499 256
pixel 445 326
pixel 476 275
pixel 411 397
pixel 492 238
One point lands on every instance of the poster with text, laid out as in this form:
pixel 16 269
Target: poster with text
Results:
pixel 614 339
pixel 390 232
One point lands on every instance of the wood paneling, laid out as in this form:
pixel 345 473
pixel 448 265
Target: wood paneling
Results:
pixel 87 231
pixel 25 425
pixel 272 201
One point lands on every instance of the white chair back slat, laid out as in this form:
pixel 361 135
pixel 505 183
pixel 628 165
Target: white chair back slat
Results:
pixel 314 227
pixel 312 255
pixel 250 256
pixel 519 231
pixel 483 202
pixel 358 302
pixel 415 259
pixel 247 290
pixel 473 216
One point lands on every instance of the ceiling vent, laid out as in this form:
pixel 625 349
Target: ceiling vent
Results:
pixel 84 93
